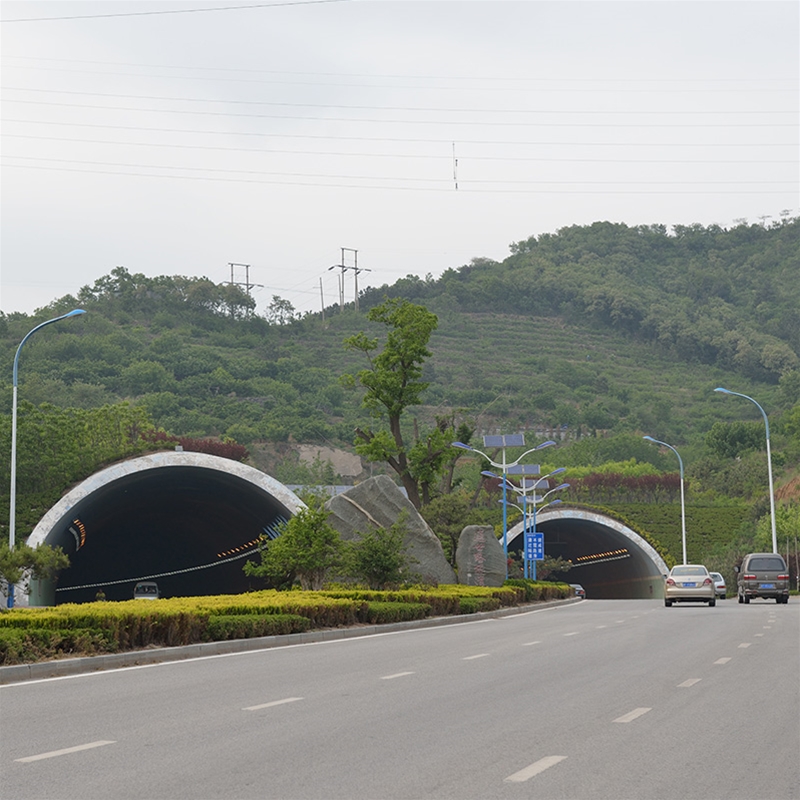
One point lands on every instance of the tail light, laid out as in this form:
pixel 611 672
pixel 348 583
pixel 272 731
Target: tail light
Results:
pixel 670 582
pixel 748 577
pixel 707 582
pixel 783 577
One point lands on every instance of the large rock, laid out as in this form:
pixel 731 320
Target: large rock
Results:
pixel 479 557
pixel 378 503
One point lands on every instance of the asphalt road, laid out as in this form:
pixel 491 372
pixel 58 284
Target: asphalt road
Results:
pixel 600 699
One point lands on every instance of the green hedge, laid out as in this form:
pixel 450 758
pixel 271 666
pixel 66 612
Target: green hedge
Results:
pixel 248 626
pixel 380 613
pixel 27 645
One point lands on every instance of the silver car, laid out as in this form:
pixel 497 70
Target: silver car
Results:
pixel 689 583
pixel 719 585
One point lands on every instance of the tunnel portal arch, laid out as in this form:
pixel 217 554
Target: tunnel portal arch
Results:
pixel 186 520
pixel 610 560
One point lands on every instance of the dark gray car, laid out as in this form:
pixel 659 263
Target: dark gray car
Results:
pixel 763 575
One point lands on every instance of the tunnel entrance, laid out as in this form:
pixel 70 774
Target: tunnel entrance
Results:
pixel 188 521
pixel 610 560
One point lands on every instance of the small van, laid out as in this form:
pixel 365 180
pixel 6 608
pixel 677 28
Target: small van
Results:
pixel 762 575
pixel 146 590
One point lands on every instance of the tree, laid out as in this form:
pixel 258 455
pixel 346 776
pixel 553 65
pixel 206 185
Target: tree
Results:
pixel 379 558
pixel 307 548
pixel 280 311
pixel 19 565
pixel 393 384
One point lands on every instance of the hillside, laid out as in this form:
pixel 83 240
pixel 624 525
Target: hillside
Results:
pixel 602 328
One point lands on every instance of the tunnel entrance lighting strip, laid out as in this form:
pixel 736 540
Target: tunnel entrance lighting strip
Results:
pixel 157 575
pixel 576 564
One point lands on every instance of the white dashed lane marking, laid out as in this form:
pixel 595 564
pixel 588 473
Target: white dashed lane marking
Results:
pixel 723 660
pixel 528 644
pixel 480 655
pixel 396 675
pixel 65 751
pixel 632 715
pixel 534 769
pixel 273 703
pixel 744 644
pixel 689 682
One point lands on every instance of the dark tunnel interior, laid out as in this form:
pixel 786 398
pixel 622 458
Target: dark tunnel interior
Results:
pixel 188 528
pixel 605 562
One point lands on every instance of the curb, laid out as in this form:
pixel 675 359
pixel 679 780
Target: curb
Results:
pixel 17 673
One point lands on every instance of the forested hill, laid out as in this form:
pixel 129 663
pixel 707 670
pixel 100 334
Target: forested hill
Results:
pixel 706 294
pixel 602 327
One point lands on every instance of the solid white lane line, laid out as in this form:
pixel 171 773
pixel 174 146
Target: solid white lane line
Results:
pixel 689 682
pixel 723 660
pixel 632 715
pixel 534 769
pixel 528 644
pixel 273 703
pixel 744 644
pixel 396 675
pixel 65 751
pixel 480 655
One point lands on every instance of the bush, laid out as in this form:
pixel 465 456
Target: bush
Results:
pixel 248 626
pixel 472 605
pixel 380 613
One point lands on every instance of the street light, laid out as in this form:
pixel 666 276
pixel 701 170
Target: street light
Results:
pixel 769 465
pixel 503 442
pixel 13 499
pixel 683 506
pixel 522 491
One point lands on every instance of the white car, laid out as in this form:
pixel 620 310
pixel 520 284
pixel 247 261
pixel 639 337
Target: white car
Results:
pixel 719 585
pixel 689 583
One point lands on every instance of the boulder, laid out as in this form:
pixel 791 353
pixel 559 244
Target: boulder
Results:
pixel 378 503
pixel 479 557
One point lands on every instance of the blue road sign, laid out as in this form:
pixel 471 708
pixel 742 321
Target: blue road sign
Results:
pixel 534 546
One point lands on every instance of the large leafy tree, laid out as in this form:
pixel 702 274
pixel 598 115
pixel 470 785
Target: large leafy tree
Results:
pixel 393 383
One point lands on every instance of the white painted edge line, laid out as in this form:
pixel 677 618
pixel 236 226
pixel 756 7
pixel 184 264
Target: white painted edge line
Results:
pixel 528 644
pixel 689 682
pixel 471 658
pixel 273 703
pixel 744 644
pixel 396 675
pixel 632 715
pixel 724 660
pixel 65 751
pixel 534 769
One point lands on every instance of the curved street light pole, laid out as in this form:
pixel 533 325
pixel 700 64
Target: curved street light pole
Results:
pixel 769 464
pixel 683 503
pixel 12 506
pixel 503 466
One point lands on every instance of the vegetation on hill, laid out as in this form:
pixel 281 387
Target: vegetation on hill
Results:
pixel 592 336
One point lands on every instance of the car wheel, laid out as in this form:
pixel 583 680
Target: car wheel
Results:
pixel 723 597
pixel 741 599
pixel 667 603
pixel 746 599
pixel 712 603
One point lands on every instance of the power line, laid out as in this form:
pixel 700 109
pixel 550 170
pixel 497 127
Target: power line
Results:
pixel 177 11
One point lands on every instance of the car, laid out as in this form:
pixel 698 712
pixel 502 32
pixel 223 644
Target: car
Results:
pixel 579 590
pixel 689 583
pixel 146 590
pixel 719 585
pixel 762 575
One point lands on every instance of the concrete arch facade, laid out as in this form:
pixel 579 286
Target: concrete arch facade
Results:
pixel 186 520
pixel 610 560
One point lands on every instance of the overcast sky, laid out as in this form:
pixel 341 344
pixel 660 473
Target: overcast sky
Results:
pixel 419 134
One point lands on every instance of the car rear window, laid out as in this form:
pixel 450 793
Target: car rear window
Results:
pixel 688 571
pixel 775 564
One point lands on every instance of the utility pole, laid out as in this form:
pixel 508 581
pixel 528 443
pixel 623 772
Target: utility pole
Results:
pixel 344 267
pixel 247 285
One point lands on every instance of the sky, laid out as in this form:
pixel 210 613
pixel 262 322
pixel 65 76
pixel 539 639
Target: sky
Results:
pixel 273 143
